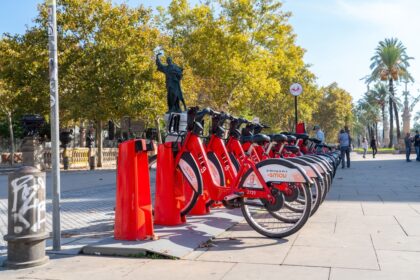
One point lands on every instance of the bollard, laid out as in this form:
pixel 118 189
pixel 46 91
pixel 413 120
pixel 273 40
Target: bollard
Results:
pixel 26 219
pixel 92 163
pixel 133 209
pixel 66 163
pixel 169 196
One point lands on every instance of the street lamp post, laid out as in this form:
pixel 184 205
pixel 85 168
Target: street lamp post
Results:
pixel 55 150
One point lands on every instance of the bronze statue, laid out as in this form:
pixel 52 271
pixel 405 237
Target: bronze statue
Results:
pixel 173 74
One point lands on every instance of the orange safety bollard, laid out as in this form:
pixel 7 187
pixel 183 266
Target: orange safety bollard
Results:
pixel 169 196
pixel 202 206
pixel 301 128
pixel 133 211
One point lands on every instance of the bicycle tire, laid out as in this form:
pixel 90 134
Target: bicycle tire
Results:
pixel 263 221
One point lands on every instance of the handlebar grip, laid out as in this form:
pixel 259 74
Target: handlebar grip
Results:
pixel 201 114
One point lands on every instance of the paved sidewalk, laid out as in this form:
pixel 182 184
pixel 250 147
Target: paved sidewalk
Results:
pixel 369 228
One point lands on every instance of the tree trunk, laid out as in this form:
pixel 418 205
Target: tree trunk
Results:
pixel 159 136
pixel 391 115
pixel 397 121
pixel 12 138
pixel 385 126
pixel 99 142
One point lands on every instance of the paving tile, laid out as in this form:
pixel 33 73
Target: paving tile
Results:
pixel 263 271
pixel 314 227
pixel 78 267
pixel 389 209
pixel 411 225
pixel 368 224
pixel 360 197
pixel 361 274
pixel 268 251
pixel 396 242
pixel 361 258
pixel 333 240
pixel 399 260
pixel 180 269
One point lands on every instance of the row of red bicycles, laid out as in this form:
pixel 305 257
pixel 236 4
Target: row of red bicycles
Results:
pixel 277 180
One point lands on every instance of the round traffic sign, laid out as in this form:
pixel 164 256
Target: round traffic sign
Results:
pixel 296 89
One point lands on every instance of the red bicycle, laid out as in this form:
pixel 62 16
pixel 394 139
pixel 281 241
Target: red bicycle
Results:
pixel 258 188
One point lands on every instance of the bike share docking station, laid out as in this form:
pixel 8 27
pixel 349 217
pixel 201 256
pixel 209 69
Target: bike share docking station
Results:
pixel 139 229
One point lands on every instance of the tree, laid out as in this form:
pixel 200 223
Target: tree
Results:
pixel 9 51
pixel 369 114
pixel 334 111
pixel 390 63
pixel 379 96
pixel 107 66
pixel 242 56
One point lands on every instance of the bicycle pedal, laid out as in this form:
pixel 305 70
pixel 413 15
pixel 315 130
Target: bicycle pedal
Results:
pixel 233 196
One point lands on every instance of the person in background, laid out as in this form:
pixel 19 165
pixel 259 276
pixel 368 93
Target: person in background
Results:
pixel 344 140
pixel 319 134
pixel 407 141
pixel 373 146
pixel 417 145
pixel 346 129
pixel 365 146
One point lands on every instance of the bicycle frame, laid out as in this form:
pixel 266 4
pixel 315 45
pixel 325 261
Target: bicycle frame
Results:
pixel 194 146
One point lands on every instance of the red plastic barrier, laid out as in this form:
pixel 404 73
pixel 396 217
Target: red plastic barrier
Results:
pixel 200 207
pixel 301 128
pixel 133 211
pixel 169 196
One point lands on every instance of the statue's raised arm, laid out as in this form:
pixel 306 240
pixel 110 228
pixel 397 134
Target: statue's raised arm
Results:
pixel 160 66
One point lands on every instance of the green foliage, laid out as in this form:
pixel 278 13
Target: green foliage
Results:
pixel 334 111
pixel 238 56
pixel 242 56
pixel 390 63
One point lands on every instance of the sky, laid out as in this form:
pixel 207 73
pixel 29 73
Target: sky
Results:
pixel 340 36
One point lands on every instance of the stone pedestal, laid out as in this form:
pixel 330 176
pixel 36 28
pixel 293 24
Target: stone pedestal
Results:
pixel 32 152
pixel 406 121
pixel 175 123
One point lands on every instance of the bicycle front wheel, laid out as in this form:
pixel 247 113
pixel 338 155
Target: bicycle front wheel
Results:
pixel 285 221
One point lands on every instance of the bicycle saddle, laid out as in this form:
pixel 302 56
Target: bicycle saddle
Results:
pixel 303 136
pixel 291 138
pixel 278 137
pixel 260 138
pixel 292 148
pixel 316 141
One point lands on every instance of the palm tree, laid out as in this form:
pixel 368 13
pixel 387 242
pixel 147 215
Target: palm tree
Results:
pixel 368 114
pixel 379 95
pixel 390 63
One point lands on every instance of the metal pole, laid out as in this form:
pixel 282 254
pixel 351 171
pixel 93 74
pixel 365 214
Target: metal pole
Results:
pixel 55 150
pixel 296 114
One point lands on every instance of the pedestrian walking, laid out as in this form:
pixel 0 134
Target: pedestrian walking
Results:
pixel 373 146
pixel 417 145
pixel 319 134
pixel 344 140
pixel 407 141
pixel 365 146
